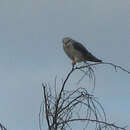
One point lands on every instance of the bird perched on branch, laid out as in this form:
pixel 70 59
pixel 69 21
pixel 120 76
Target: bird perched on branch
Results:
pixel 77 52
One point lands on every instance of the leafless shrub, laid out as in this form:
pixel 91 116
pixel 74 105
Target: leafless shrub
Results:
pixel 63 108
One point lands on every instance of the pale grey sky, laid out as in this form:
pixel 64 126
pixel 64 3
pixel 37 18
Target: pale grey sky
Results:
pixel 31 53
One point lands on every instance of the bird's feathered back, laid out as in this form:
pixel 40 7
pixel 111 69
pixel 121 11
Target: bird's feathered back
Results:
pixel 87 55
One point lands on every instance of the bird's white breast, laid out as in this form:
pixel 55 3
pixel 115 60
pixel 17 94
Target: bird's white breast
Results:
pixel 73 53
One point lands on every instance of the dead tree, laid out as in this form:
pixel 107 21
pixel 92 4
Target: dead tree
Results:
pixel 62 108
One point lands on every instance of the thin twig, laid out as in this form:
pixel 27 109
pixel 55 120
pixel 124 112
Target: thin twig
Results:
pixel 115 66
pixel 2 127
pixel 46 109
pixel 108 124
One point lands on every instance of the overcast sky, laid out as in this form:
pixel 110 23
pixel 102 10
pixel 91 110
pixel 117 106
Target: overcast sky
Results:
pixel 31 52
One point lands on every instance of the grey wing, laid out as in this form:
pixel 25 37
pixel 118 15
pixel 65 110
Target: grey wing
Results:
pixel 79 47
pixel 86 54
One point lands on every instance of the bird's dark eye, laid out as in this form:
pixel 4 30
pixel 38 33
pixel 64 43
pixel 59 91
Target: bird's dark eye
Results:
pixel 66 42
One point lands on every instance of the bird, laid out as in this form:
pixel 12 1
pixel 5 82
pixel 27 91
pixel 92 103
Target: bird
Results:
pixel 77 52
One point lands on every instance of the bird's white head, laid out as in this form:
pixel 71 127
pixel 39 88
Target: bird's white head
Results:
pixel 66 41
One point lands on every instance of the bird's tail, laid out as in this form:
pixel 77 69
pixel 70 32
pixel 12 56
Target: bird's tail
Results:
pixel 92 58
pixel 96 60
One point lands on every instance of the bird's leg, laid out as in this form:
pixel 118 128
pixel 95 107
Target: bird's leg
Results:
pixel 73 63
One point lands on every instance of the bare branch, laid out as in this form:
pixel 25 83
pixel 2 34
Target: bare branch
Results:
pixel 46 104
pixel 2 127
pixel 115 66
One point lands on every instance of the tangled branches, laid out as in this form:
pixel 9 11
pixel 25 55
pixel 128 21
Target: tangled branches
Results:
pixel 2 127
pixel 66 107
